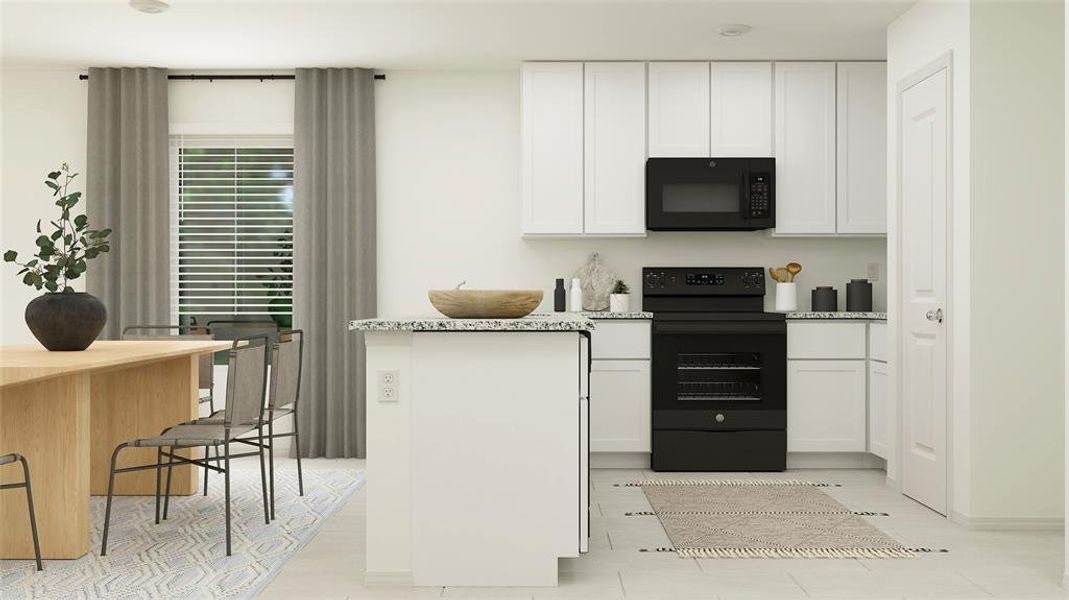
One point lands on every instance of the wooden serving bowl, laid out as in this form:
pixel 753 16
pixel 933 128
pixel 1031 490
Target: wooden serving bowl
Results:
pixel 485 304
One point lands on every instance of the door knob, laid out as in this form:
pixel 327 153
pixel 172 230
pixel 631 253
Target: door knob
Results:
pixel 935 316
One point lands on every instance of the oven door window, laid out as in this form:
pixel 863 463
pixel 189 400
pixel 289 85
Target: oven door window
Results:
pixel 732 371
pixel 709 197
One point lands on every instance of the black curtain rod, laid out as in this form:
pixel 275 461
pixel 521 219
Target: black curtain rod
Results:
pixel 231 77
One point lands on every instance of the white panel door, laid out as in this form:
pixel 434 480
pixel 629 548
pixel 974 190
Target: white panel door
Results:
pixel 826 406
pixel 552 148
pixel 881 411
pixel 615 148
pixel 741 109
pixel 805 148
pixel 862 147
pixel 679 109
pixel 923 198
pixel 620 406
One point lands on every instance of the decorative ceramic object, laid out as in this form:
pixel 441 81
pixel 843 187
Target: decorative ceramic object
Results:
pixel 597 281
pixel 63 319
pixel 485 304
pixel 620 298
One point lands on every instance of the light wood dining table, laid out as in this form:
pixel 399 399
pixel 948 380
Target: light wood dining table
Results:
pixel 66 411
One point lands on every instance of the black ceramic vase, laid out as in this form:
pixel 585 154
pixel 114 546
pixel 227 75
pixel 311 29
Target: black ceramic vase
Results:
pixel 66 320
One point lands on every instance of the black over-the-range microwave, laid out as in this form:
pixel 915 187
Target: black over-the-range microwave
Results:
pixel 710 194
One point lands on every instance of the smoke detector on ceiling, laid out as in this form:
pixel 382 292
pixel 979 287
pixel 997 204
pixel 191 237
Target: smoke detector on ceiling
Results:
pixel 151 7
pixel 733 30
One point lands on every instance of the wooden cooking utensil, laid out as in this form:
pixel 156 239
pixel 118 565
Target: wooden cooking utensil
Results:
pixel 772 273
pixel 793 269
pixel 782 275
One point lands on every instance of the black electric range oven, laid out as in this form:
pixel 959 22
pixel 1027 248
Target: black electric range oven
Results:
pixel 719 374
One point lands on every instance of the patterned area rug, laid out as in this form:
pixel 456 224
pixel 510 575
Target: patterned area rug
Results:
pixel 185 556
pixel 763 519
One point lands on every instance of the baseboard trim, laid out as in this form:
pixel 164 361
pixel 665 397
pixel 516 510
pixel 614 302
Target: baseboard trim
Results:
pixel 384 578
pixel 834 460
pixel 619 460
pixel 1009 523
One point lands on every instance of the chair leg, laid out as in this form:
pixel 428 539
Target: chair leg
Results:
pixel 271 462
pixel 167 495
pixel 226 479
pixel 297 441
pixel 107 509
pixel 33 517
pixel 206 468
pixel 159 471
pixel 263 475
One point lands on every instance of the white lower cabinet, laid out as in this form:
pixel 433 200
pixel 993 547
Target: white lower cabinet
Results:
pixel 620 406
pixel 881 415
pixel 826 406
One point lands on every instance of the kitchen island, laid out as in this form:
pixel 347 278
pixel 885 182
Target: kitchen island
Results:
pixel 477 449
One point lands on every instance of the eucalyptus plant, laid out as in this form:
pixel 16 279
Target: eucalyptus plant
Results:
pixel 62 254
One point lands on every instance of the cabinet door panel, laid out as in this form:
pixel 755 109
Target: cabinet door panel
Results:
pixel 741 109
pixel 679 109
pixel 805 148
pixel 552 160
pixel 862 147
pixel 620 406
pixel 881 410
pixel 615 148
pixel 826 406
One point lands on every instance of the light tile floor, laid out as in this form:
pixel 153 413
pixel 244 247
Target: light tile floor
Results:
pixel 979 564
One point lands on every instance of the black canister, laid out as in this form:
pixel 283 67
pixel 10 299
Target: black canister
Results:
pixel 825 299
pixel 859 296
pixel 559 297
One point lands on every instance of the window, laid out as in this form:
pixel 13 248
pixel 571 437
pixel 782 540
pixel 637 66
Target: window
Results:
pixel 232 230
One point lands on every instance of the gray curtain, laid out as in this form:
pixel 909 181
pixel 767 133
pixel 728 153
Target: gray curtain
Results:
pixel 127 190
pixel 334 253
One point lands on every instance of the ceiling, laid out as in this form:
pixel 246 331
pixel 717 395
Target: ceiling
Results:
pixel 441 34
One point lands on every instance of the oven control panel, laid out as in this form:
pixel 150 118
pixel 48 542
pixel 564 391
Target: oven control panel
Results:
pixel 696 281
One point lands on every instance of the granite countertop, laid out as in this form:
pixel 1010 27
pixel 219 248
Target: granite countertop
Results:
pixel 602 315
pixel 839 316
pixel 540 322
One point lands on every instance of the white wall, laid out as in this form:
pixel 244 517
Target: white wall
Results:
pixel 43 124
pixel 449 209
pixel 926 32
pixel 1005 312
pixel 1017 355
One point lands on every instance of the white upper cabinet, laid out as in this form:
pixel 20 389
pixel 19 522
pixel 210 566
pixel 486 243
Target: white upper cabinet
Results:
pixel 741 109
pixel 615 148
pixel 552 148
pixel 805 148
pixel 679 109
pixel 862 148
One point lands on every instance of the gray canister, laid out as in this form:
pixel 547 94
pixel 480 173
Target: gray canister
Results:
pixel 859 296
pixel 825 299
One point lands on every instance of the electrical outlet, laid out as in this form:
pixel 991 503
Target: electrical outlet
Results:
pixel 388 386
pixel 874 272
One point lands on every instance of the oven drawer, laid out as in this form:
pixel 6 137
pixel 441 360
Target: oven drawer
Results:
pixel 621 340
pixel 677 450
pixel 732 420
pixel 834 340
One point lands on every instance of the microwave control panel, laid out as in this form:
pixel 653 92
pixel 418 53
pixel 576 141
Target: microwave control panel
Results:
pixel 760 195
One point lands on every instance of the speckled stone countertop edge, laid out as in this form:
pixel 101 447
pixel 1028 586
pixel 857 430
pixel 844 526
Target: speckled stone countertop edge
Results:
pixel 837 316
pixel 562 324
pixel 603 315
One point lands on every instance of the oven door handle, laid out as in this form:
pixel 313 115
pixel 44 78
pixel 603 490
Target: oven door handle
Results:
pixel 704 328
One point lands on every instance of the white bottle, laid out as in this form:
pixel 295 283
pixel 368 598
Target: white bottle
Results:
pixel 575 297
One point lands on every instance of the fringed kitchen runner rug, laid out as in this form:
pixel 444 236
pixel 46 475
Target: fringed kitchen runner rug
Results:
pixel 763 519
pixel 185 556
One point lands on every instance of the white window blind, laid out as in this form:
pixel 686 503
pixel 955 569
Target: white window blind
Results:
pixel 232 227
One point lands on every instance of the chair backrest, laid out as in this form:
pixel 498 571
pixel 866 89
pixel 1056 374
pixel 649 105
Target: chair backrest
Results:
pixel 246 382
pixel 205 375
pixel 233 330
pixel 286 359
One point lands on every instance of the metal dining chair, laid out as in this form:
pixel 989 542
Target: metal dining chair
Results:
pixel 287 358
pixel 206 362
pixel 25 483
pixel 245 388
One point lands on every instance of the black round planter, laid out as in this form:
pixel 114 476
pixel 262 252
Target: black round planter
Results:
pixel 66 320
